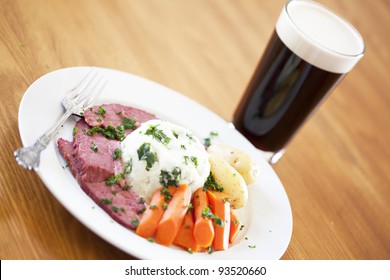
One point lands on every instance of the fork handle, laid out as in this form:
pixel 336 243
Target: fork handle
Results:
pixel 29 157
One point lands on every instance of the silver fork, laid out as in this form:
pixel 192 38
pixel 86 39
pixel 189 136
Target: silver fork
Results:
pixel 75 101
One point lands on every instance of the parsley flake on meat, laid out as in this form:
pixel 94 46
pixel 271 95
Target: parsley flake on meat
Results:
pixel 128 123
pixel 114 179
pixel 94 148
pixel 101 111
pixel 117 154
pixel 106 201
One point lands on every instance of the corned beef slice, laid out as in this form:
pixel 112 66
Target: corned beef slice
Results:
pixel 66 150
pixel 122 205
pixel 91 163
pixel 92 155
pixel 104 115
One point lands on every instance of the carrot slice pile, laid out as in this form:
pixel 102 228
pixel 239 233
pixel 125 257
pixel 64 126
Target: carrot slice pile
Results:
pixel 210 224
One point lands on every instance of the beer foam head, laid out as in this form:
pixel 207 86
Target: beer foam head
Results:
pixel 319 36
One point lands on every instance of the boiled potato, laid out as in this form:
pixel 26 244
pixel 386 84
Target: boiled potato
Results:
pixel 230 180
pixel 239 160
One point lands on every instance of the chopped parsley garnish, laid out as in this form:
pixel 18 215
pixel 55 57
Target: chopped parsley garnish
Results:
pixel 144 153
pixel 110 132
pixel 170 178
pixel 75 129
pixel 190 136
pixel 212 184
pixel 94 129
pixel 135 222
pixel 218 221
pixel 128 123
pixel 166 193
pixel 128 167
pixel 207 141
pixel 117 153
pixel 208 214
pixel 114 179
pixel 101 111
pixel 120 133
pixel 115 209
pixel 194 160
pixel 158 134
pixel 165 206
pixel 126 188
pixel 94 148
pixel 106 201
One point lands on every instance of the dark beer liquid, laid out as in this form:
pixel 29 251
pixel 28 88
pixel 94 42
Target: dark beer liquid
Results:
pixel 284 90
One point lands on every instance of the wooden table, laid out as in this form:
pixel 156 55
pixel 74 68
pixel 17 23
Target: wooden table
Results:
pixel 336 171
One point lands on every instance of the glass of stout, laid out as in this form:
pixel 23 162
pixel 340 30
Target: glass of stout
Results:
pixel 310 51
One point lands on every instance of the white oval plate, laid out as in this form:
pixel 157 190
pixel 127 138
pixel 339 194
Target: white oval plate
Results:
pixel 267 218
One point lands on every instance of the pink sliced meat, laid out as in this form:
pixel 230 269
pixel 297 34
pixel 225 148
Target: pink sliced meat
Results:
pixel 123 205
pixel 92 155
pixel 90 159
pixel 106 114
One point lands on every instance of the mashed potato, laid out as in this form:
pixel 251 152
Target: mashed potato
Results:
pixel 159 154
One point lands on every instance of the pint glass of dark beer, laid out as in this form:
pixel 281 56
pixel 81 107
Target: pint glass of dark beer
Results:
pixel 310 51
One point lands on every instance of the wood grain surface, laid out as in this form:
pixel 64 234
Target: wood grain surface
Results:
pixel 336 171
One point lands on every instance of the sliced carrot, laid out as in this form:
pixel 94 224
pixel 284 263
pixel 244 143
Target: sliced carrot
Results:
pixel 173 216
pixel 235 225
pixel 221 209
pixel 185 237
pixel 203 228
pixel 150 219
